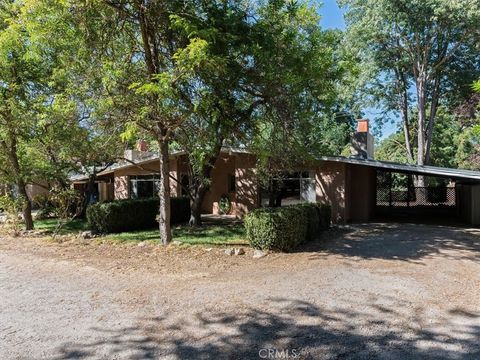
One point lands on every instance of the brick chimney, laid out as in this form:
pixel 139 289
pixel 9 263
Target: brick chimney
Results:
pixel 362 141
pixel 142 145
pixel 140 152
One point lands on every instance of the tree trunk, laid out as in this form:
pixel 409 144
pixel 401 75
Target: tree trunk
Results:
pixel 27 206
pixel 199 186
pixel 431 120
pixel 90 188
pixel 196 206
pixel 22 186
pixel 403 105
pixel 406 125
pixel 421 83
pixel 164 193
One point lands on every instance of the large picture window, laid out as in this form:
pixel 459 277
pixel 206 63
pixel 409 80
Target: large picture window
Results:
pixel 144 186
pixel 289 189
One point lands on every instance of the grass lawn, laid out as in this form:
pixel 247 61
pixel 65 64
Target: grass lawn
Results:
pixel 231 234
pixel 48 225
pixel 205 235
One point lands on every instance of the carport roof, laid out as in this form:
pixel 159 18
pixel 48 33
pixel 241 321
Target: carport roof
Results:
pixel 408 168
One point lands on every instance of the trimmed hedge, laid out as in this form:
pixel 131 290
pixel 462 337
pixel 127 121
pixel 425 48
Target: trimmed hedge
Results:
pixel 285 228
pixel 133 214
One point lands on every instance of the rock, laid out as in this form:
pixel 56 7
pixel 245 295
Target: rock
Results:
pixel 229 252
pixel 87 235
pixel 176 243
pixel 208 249
pixel 239 251
pixel 259 254
pixel 142 244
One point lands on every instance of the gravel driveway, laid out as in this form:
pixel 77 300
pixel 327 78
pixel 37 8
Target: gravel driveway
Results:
pixel 369 291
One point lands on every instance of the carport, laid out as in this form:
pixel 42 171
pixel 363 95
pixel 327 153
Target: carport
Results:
pixel 367 189
pixel 359 188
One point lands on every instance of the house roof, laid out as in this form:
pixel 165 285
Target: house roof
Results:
pixel 457 174
pixel 408 168
pixel 148 157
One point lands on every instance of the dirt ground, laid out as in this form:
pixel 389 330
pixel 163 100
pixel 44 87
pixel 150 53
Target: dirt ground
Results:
pixel 395 291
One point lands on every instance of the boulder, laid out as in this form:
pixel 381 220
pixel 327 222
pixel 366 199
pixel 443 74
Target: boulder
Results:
pixel 87 235
pixel 229 252
pixel 239 251
pixel 259 254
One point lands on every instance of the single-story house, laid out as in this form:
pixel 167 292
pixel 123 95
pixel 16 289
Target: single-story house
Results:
pixel 358 188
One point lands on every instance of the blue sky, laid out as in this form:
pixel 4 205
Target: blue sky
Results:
pixel 332 15
pixel 332 18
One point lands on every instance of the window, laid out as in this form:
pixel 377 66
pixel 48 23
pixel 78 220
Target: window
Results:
pixel 144 186
pixel 232 183
pixel 289 188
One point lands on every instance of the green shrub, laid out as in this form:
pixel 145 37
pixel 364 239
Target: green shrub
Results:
pixel 312 215
pixel 284 228
pixel 12 207
pixel 281 228
pixel 43 203
pixel 133 214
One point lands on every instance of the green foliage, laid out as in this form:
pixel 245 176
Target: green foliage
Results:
pixel 299 121
pixel 67 205
pixel 411 58
pixel 50 226
pixel 211 235
pixel 279 229
pixel 285 228
pixel 133 214
pixel 476 86
pixel 12 208
pixel 224 204
pixel 318 218
pixel 44 206
pixel 455 144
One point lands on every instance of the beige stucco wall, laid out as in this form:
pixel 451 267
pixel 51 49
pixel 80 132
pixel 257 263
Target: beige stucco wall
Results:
pixel 224 166
pixel 349 189
pixel 34 190
pixel 330 185
pixel 246 195
pixel 360 192
pixel 242 166
pixel 121 176
pixel 468 203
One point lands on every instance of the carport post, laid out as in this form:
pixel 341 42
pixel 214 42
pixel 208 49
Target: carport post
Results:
pixel 390 188
pixel 409 182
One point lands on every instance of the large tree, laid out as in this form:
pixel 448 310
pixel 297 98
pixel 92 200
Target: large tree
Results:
pixel 220 108
pixel 147 62
pixel 276 70
pixel 30 83
pixel 409 52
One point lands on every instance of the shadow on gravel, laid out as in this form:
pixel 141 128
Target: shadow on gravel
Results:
pixel 408 242
pixel 296 328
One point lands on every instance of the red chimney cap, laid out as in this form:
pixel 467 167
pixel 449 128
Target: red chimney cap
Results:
pixel 362 125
